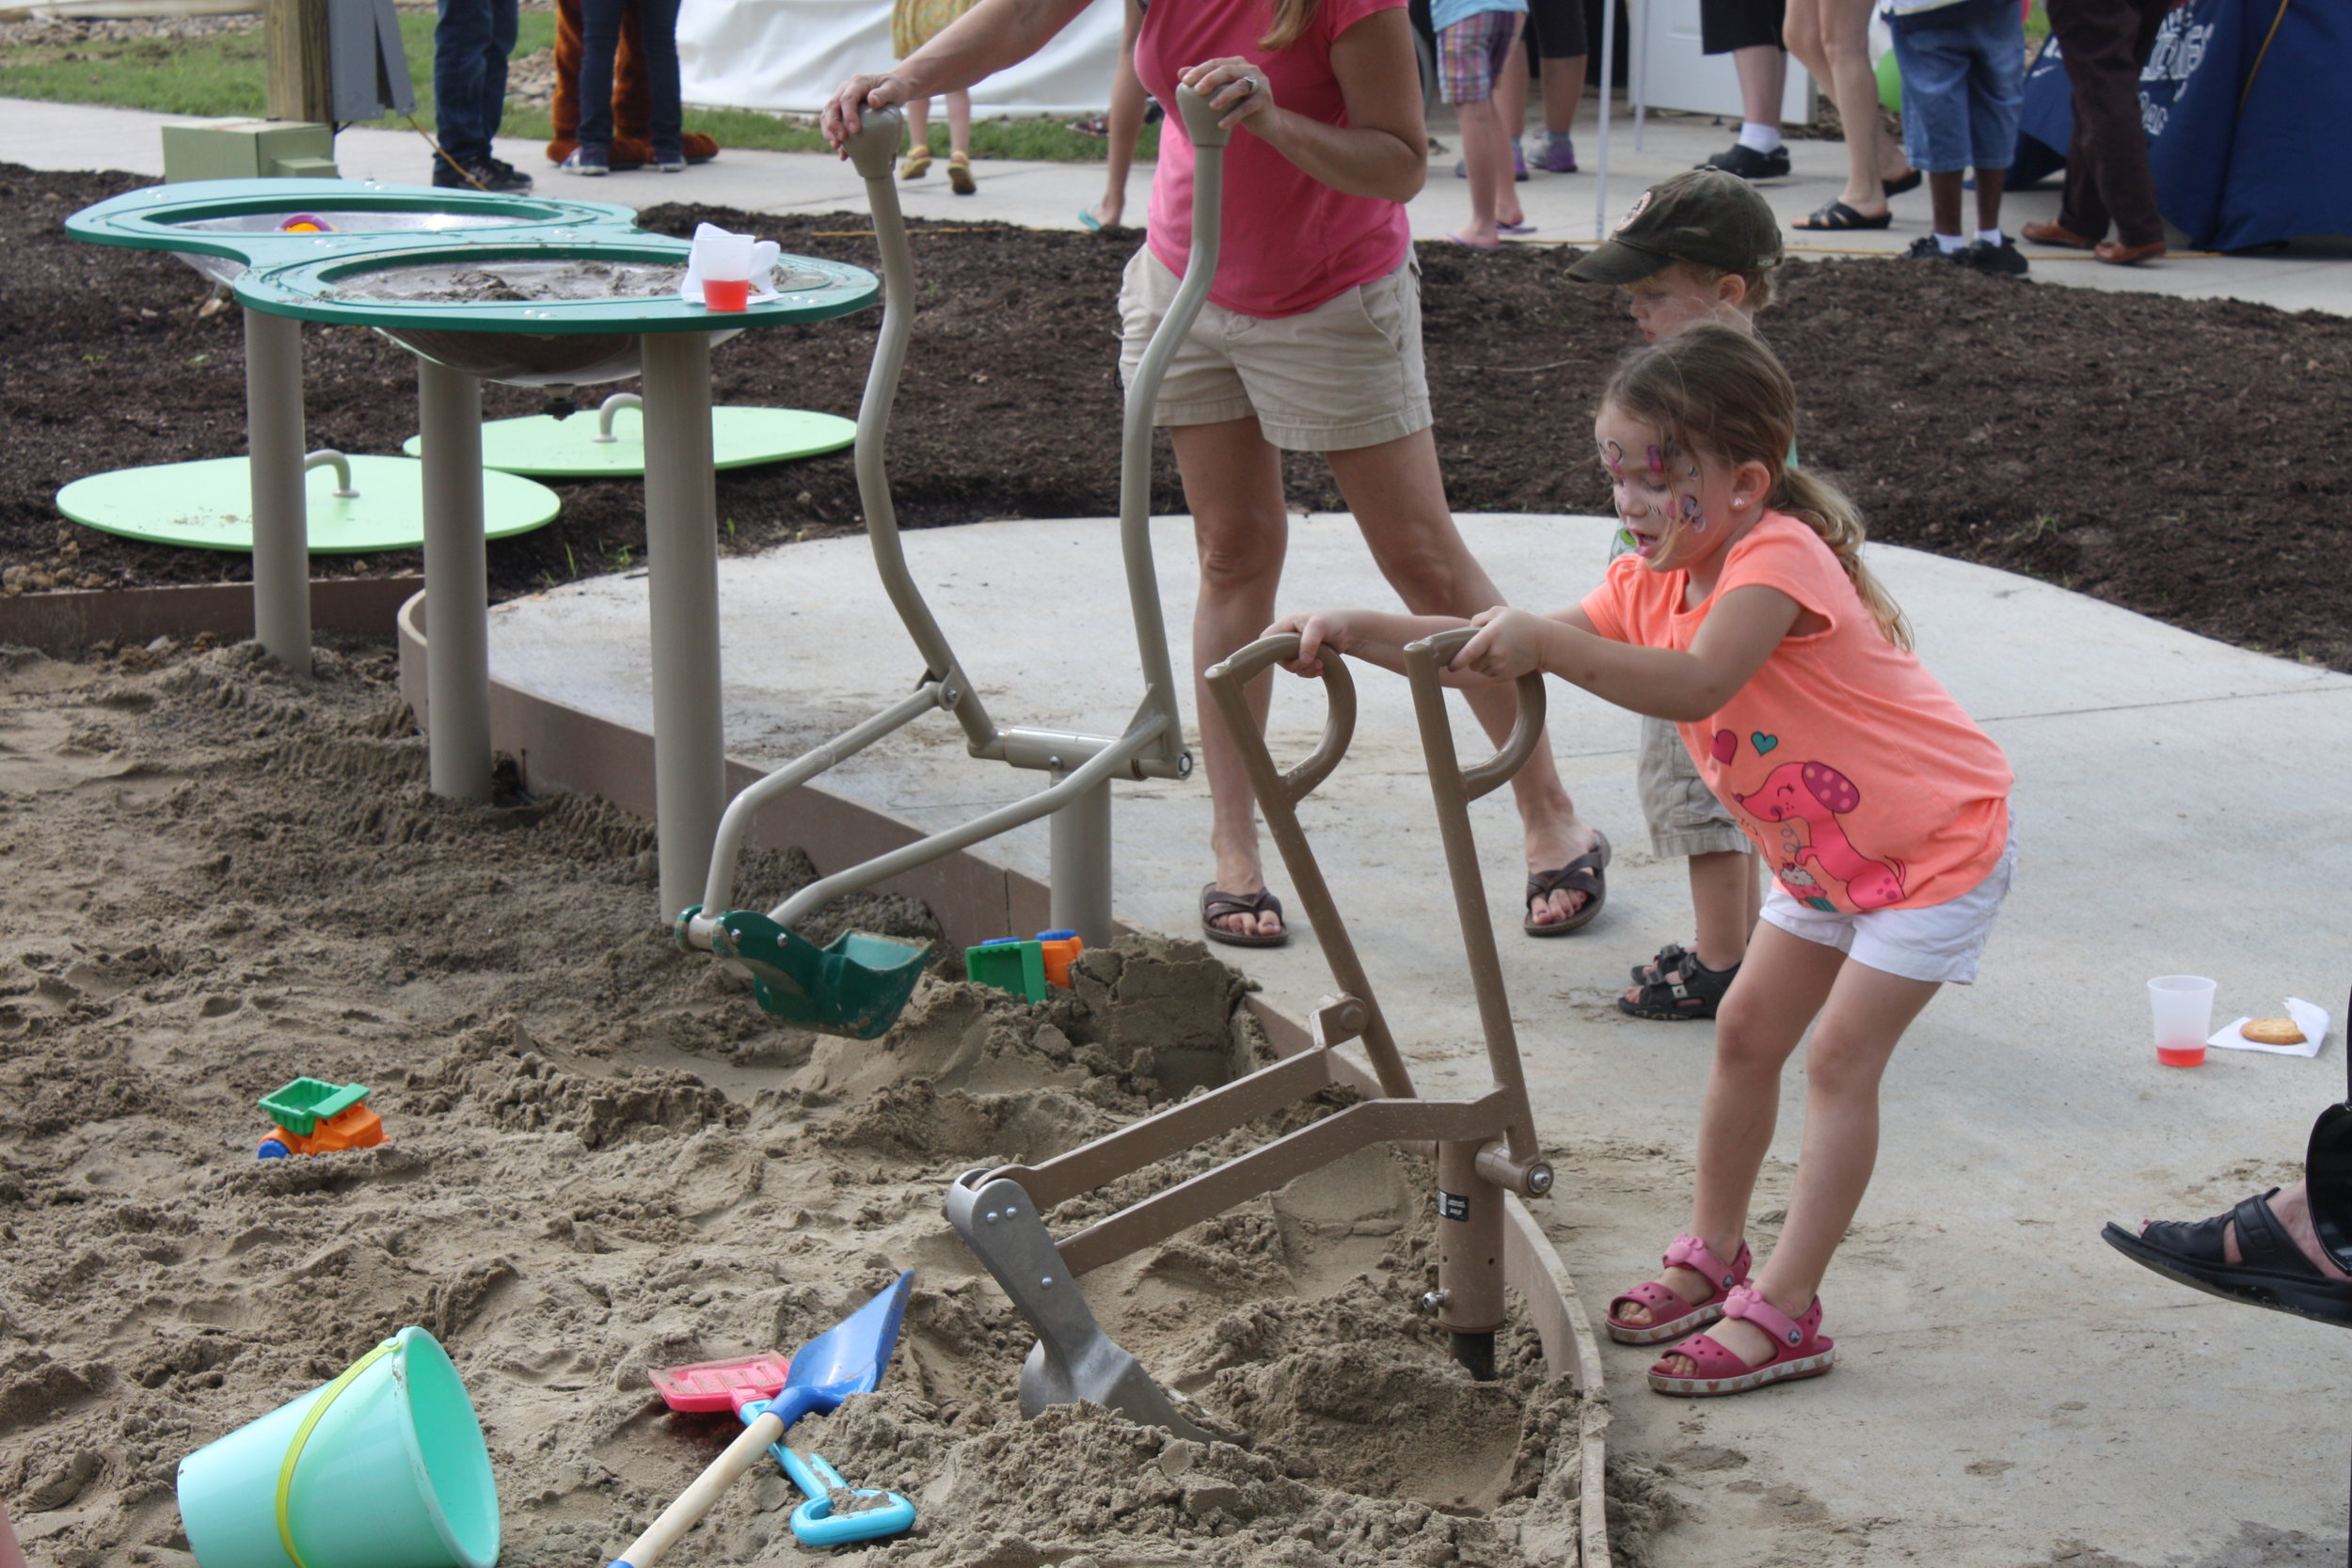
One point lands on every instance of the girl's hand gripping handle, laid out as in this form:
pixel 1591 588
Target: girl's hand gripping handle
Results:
pixel 692 1503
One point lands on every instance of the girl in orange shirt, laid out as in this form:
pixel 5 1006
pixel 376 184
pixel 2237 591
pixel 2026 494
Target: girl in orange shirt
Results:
pixel 1746 615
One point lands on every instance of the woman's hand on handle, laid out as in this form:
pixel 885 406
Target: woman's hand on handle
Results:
pixel 844 113
pixel 1238 89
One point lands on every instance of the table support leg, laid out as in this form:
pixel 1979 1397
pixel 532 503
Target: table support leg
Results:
pixel 456 583
pixel 281 551
pixel 682 593
pixel 1079 870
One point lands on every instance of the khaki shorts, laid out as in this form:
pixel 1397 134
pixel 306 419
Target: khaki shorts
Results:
pixel 1344 374
pixel 1684 816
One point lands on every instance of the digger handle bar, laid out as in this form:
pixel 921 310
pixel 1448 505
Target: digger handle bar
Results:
pixel 1244 665
pixel 1427 658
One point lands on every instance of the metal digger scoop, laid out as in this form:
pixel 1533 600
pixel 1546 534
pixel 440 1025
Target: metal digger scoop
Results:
pixel 1073 1359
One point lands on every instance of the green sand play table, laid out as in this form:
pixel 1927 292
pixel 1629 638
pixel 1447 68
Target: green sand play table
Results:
pixel 561 312
pixel 223 228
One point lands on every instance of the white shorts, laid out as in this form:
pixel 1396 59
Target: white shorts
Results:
pixel 1940 942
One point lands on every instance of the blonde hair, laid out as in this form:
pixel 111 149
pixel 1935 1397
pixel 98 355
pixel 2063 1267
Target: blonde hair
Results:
pixel 1292 17
pixel 1714 389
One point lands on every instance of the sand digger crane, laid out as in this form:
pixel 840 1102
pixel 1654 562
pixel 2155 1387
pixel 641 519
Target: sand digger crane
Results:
pixel 857 984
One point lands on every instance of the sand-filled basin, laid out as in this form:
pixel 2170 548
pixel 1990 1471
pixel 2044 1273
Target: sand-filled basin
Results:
pixel 223 227
pixel 555 311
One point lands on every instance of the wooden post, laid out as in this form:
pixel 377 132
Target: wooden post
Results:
pixel 299 84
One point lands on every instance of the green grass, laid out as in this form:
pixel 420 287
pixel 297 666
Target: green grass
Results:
pixel 225 73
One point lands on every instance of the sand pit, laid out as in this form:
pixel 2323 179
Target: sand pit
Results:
pixel 605 1159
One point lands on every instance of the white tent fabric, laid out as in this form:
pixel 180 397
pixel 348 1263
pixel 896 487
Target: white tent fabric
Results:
pixel 789 55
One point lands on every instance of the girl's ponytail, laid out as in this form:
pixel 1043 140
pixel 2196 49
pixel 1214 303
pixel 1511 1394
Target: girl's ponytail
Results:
pixel 1718 390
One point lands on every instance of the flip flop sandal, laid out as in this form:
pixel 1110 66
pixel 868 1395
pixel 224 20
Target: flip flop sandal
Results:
pixel 1836 216
pixel 1903 182
pixel 1581 874
pixel 2275 1273
pixel 1666 958
pixel 1215 906
pixel 918 164
pixel 1087 221
pixel 1516 228
pixel 959 174
pixel 1688 989
pixel 1799 1350
pixel 1670 1317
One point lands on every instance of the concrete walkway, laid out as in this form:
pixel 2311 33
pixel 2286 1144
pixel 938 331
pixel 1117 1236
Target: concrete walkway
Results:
pixel 2008 1383
pixel 2308 275
pixel 2009 1390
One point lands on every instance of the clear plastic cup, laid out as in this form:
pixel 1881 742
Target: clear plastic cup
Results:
pixel 724 263
pixel 2183 1005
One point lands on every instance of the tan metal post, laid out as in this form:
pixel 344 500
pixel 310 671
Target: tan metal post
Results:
pixel 1470 1256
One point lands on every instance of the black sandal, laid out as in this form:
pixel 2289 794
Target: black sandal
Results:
pixel 2273 1273
pixel 1586 875
pixel 1675 985
pixel 1215 906
pixel 1836 216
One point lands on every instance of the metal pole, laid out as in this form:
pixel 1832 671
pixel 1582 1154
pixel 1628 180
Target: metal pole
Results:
pixel 1080 866
pixel 456 583
pixel 1469 1257
pixel 682 593
pixel 1608 63
pixel 281 551
pixel 1641 72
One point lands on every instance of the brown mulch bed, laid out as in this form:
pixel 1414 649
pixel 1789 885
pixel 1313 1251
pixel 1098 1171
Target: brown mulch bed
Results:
pixel 2179 457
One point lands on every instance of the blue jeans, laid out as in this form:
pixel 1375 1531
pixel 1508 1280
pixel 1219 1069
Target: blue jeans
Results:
pixel 1963 82
pixel 599 39
pixel 470 43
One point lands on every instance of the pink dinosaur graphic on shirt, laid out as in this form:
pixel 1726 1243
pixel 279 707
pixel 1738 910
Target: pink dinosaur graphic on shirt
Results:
pixel 1817 795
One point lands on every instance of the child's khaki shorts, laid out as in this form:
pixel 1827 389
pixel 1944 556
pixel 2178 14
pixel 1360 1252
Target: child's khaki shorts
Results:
pixel 1684 816
pixel 1344 374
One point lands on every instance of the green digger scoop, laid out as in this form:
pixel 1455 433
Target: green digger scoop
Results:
pixel 855 985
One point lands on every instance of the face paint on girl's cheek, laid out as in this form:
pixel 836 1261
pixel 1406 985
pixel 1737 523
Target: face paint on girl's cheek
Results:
pixel 1657 460
pixel 1612 456
pixel 1693 518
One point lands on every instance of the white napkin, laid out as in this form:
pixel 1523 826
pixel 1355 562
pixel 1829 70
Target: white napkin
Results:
pixel 764 256
pixel 2310 1019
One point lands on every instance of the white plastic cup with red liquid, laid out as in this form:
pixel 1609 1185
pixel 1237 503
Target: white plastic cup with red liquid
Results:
pixel 2183 1005
pixel 723 263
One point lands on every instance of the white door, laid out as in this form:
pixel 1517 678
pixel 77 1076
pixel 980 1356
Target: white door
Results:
pixel 1678 76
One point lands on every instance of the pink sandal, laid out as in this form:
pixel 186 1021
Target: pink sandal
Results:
pixel 1799 1350
pixel 1670 1317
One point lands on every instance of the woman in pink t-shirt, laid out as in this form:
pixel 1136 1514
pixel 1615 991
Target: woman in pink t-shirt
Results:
pixel 1746 615
pixel 1310 342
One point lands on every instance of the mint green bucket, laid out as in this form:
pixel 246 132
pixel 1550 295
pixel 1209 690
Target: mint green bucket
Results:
pixel 384 1467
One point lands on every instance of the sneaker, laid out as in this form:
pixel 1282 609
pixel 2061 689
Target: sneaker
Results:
pixel 1559 154
pixel 466 177
pixel 669 160
pixel 2002 261
pixel 593 162
pixel 1748 164
pixel 1924 248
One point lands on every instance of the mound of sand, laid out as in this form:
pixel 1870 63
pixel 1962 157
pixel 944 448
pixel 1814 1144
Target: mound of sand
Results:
pixel 605 1159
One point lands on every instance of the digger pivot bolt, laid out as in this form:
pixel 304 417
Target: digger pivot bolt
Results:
pixel 1433 1301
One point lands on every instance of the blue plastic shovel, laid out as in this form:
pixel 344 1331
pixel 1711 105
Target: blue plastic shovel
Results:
pixel 846 1360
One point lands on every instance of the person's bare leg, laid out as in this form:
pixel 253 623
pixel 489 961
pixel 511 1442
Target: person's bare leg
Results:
pixel 1725 896
pixel 1831 38
pixel 1511 91
pixel 1990 186
pixel 1564 91
pixel 1398 496
pixel 1758 1026
pixel 1763 71
pixel 1126 124
pixel 1486 157
pixel 919 125
pixel 960 123
pixel 1858 1029
pixel 1944 194
pixel 1233 486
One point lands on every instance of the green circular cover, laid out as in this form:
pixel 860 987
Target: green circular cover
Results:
pixel 209 505
pixel 568 448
